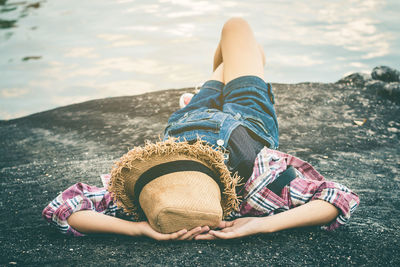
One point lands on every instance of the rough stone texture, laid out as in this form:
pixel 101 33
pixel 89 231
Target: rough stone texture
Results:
pixel 387 90
pixel 383 81
pixel 386 74
pixel 42 154
pixel 355 79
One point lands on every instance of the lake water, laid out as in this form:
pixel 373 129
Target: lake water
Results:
pixel 54 53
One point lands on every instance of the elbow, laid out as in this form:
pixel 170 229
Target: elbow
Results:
pixel 47 213
pixel 332 212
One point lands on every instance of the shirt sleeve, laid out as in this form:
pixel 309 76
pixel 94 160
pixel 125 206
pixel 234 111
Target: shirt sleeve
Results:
pixel 78 197
pixel 303 190
pixel 310 185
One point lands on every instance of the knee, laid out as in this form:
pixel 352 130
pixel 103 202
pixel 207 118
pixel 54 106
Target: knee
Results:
pixel 235 24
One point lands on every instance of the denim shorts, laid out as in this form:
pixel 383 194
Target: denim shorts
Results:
pixel 218 109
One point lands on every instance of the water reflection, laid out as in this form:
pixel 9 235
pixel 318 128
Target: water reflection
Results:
pixel 4 24
pixel 21 7
pixel 60 52
pixel 119 40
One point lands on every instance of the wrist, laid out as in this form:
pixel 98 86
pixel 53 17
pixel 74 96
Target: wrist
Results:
pixel 135 229
pixel 267 226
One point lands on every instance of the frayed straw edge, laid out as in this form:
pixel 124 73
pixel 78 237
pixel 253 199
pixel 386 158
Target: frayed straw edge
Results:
pixel 210 155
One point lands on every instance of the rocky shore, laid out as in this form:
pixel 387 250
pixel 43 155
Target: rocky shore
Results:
pixel 349 130
pixel 382 81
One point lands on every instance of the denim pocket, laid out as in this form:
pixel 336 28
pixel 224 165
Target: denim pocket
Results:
pixel 196 121
pixel 255 121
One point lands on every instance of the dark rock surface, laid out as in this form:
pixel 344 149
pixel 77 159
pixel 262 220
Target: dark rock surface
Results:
pixel 348 133
pixel 383 81
pixel 355 79
pixel 386 74
pixel 388 90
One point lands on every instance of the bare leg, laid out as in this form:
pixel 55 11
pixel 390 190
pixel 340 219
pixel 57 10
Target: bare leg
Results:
pixel 218 69
pixel 241 53
pixel 218 73
pixel 262 53
pixel 218 56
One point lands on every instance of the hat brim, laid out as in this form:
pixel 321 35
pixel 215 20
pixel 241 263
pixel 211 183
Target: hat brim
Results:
pixel 128 169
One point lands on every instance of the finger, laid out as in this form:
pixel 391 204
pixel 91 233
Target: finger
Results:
pixel 221 224
pixel 227 230
pixel 223 235
pixel 203 230
pixel 187 235
pixel 205 237
pixel 172 236
pixel 224 224
pixel 178 234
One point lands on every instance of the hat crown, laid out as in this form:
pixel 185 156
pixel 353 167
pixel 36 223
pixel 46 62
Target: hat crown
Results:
pixel 137 161
pixel 181 200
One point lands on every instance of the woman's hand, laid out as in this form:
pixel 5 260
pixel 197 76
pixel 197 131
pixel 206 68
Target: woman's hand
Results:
pixel 89 221
pixel 147 230
pixel 234 229
pixel 315 212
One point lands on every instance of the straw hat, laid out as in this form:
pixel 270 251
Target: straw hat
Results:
pixel 174 185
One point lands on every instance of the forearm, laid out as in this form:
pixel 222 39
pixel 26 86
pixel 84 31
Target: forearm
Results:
pixel 89 221
pixel 316 212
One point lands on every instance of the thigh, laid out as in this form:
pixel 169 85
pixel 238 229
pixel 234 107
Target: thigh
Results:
pixel 218 74
pixel 240 51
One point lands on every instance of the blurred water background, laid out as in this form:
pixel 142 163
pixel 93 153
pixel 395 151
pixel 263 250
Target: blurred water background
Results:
pixel 54 53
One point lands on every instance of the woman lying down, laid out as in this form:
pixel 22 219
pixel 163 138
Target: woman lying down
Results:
pixel 216 174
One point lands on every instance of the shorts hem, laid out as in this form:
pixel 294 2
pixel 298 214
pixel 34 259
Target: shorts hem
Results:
pixel 245 81
pixel 213 84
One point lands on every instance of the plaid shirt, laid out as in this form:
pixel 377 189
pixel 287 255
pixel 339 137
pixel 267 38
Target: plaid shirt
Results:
pixel 257 199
